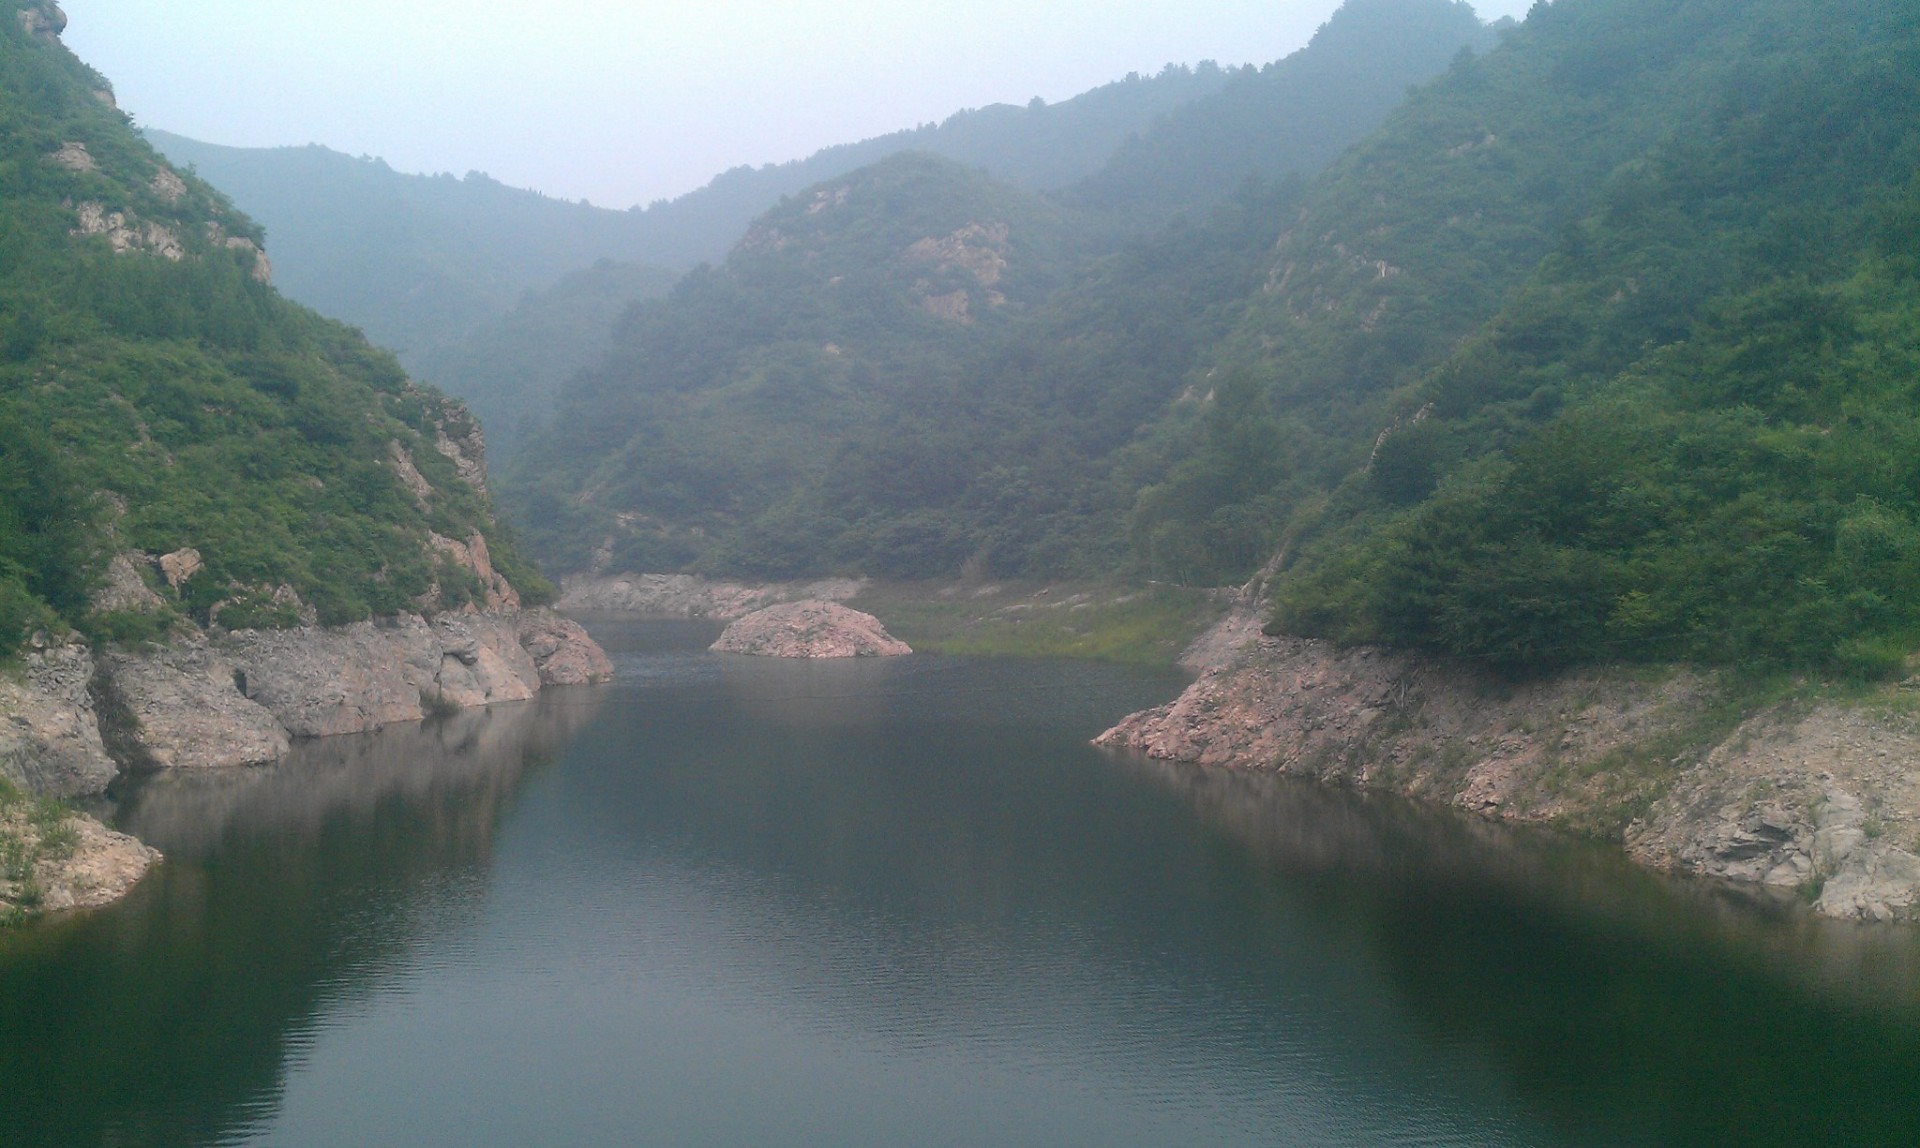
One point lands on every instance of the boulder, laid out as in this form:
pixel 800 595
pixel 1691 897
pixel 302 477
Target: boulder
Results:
pixel 180 566
pixel 125 590
pixel 810 629
pixel 562 651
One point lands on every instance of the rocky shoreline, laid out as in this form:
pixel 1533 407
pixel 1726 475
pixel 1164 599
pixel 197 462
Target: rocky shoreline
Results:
pixel 687 596
pixel 1814 799
pixel 73 722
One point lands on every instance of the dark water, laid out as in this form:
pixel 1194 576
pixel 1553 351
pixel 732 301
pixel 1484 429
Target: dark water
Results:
pixel 734 902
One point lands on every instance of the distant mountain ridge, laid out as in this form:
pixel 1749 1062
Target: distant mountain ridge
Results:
pixel 424 263
pixel 914 366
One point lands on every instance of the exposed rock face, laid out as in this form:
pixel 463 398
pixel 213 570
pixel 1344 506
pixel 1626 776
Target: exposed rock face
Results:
pixel 125 590
pixel 103 867
pixel 179 567
pixel 262 268
pixel 127 234
pixel 187 710
pixel 97 867
pixel 44 19
pixel 473 557
pixel 1826 803
pixel 562 651
pixel 467 452
pixel 75 157
pixel 409 474
pixel 363 676
pixel 812 629
pixel 684 596
pixel 168 185
pixel 49 734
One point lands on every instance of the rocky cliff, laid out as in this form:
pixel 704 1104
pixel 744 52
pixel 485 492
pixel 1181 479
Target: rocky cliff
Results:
pixel 1817 797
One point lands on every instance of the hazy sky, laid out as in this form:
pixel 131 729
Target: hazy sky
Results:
pixel 627 101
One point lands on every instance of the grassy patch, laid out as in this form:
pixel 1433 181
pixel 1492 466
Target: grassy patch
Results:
pixel 32 830
pixel 1147 625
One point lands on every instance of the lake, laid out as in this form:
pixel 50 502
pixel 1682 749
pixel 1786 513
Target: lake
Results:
pixel 729 901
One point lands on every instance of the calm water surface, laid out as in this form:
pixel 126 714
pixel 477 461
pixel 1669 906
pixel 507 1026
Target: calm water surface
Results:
pixel 739 902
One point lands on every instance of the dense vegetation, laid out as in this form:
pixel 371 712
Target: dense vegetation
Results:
pixel 916 368
pixel 1690 431
pixel 1603 346
pixel 154 394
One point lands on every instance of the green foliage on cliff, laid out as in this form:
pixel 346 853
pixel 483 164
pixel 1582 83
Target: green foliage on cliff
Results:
pixel 1689 430
pixel 158 396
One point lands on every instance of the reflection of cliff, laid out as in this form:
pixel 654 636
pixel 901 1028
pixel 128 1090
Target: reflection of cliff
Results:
pixel 477 755
pixel 185 1001
pixel 1641 1009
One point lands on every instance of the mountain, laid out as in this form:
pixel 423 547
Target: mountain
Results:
pixel 157 396
pixel 1291 117
pixel 1600 347
pixel 1597 351
pixel 916 367
pixel 425 263
pixel 509 370
pixel 420 263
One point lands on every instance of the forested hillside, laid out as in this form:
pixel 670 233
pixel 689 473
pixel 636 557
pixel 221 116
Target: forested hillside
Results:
pixel 509 370
pixel 1646 396
pixel 422 264
pixel 1291 117
pixel 1602 346
pixel 156 394
pixel 427 265
pixel 916 367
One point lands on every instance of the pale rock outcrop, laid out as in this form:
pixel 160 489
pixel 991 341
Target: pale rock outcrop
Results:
pixel 1824 804
pixel 75 157
pixel 685 596
pixel 562 651
pixel 103 867
pixel 481 661
pixel 43 19
pixel 262 267
pixel 1826 801
pixel 49 734
pixel 126 233
pixel 262 270
pixel 168 185
pixel 467 452
pixel 125 591
pixel 94 867
pixel 409 474
pixel 812 629
pixel 179 567
pixel 185 707
pixel 472 556
pixel 320 682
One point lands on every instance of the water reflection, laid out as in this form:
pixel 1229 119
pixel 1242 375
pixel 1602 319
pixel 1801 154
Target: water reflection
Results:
pixel 172 1017
pixel 900 902
pixel 1629 1007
